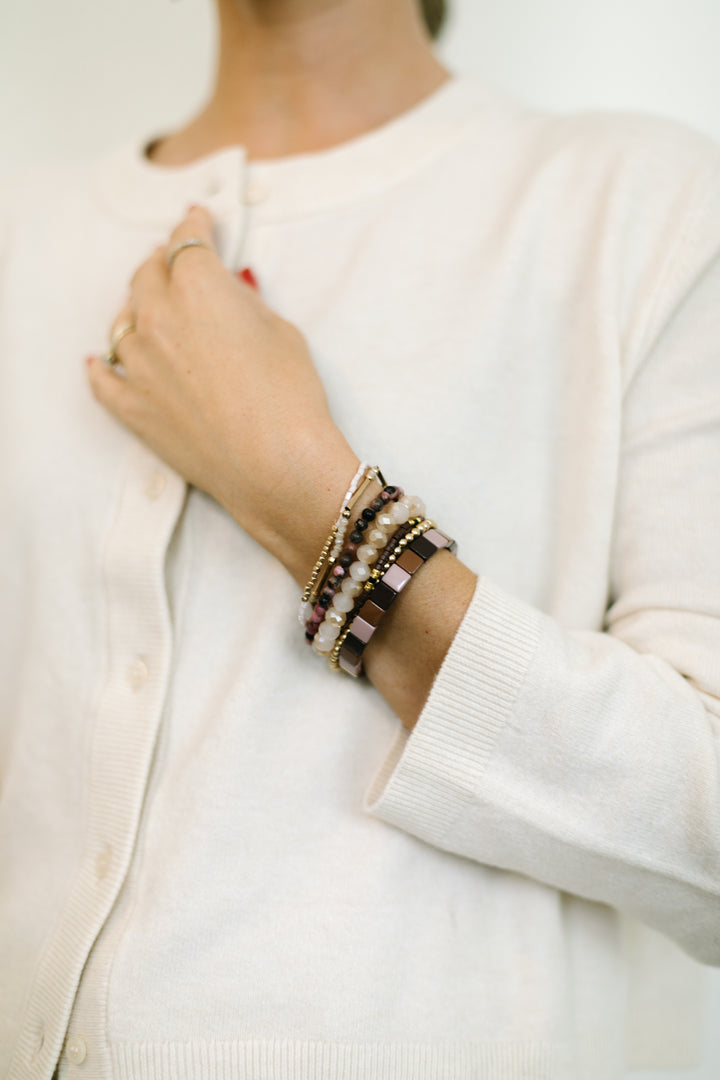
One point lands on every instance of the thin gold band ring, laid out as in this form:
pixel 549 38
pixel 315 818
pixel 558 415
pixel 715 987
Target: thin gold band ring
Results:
pixel 111 357
pixel 191 243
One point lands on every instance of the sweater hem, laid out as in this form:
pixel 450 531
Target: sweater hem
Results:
pixel 286 1059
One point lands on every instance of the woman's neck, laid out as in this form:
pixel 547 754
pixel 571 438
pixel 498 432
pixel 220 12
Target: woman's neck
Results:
pixel 297 76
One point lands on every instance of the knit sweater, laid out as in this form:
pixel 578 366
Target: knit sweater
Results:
pixel 220 859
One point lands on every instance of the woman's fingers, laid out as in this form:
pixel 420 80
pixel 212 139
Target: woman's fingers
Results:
pixel 120 338
pixel 150 280
pixel 119 330
pixel 107 387
pixel 196 226
pixel 198 223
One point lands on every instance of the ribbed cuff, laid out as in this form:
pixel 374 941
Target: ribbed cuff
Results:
pixel 432 773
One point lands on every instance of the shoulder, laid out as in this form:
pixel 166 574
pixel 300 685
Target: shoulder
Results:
pixel 618 146
pixel 626 202
pixel 633 172
pixel 633 138
pixel 652 181
pixel 604 137
pixel 651 212
pixel 653 165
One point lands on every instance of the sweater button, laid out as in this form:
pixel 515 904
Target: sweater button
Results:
pixel 38 1042
pixel 254 193
pixel 154 485
pixel 76 1050
pixel 103 863
pixel 137 673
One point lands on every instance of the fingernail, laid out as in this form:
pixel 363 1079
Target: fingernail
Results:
pixel 247 276
pixel 89 360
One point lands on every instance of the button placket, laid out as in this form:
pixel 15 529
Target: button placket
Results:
pixel 124 733
pixel 140 649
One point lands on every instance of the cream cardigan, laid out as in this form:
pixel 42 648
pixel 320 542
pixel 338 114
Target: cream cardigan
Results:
pixel 221 860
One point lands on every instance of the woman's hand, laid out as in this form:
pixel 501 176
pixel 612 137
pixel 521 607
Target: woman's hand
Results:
pixel 225 391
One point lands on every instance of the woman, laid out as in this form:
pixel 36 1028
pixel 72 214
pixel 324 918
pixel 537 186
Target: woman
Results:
pixel 222 857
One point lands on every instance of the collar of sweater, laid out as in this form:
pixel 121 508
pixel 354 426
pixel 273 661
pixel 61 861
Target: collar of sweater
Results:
pixel 135 189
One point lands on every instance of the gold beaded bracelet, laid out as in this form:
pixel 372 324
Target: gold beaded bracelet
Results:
pixel 309 592
pixel 326 560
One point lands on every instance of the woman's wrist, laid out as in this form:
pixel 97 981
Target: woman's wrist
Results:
pixel 322 503
pixel 299 512
pixel 410 646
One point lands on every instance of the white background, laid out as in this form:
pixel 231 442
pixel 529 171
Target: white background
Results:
pixel 79 76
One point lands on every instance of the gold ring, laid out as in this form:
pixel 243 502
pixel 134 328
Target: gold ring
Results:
pixel 111 357
pixel 191 243
pixel 117 337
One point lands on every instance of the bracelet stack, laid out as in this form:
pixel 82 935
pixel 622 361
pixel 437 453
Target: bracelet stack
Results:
pixel 359 575
pixel 333 545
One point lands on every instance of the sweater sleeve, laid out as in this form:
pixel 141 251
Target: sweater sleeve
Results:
pixel 590 759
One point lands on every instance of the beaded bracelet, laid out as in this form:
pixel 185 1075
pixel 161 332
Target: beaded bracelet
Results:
pixel 351 596
pixel 313 586
pixel 398 544
pixel 363 477
pixel 389 553
pixel 342 521
pixel 339 576
pixel 324 629
pixel 385 591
